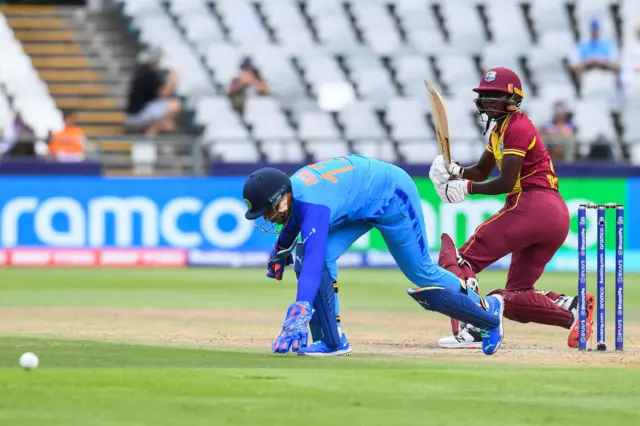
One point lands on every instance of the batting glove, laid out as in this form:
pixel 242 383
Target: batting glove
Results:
pixel 454 191
pixel 295 330
pixel 441 172
pixel 278 259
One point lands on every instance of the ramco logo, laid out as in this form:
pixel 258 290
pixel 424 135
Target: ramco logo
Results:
pixel 87 224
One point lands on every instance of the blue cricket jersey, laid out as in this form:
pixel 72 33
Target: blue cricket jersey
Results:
pixel 329 194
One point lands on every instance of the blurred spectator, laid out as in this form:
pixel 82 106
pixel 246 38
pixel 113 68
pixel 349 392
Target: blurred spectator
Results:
pixel 248 78
pixel 595 53
pixel 19 140
pixel 559 134
pixel 69 143
pixel 151 105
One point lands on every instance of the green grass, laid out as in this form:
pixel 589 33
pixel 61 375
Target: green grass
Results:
pixel 88 383
pixel 97 384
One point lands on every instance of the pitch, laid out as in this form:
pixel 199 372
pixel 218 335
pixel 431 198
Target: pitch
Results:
pixel 166 347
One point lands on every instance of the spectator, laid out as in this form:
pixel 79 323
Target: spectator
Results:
pixel 151 105
pixel 559 134
pixel 249 77
pixel 595 53
pixel 69 143
pixel 19 140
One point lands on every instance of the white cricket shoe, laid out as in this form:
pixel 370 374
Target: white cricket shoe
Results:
pixel 468 338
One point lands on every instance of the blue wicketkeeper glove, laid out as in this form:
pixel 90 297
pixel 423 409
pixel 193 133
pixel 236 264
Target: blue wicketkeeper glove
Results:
pixel 295 330
pixel 278 259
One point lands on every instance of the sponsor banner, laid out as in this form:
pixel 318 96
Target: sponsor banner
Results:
pixel 460 220
pixel 121 258
pixel 69 219
pixel 98 212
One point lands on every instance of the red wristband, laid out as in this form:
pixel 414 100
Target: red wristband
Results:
pixel 469 183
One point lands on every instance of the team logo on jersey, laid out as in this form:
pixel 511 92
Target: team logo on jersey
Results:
pixel 501 146
pixel 490 76
pixel 248 203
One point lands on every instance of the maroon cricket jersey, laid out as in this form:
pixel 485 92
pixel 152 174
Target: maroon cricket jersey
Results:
pixel 518 136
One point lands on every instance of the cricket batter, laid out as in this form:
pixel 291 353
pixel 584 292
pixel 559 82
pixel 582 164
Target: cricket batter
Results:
pixel 532 225
pixel 331 204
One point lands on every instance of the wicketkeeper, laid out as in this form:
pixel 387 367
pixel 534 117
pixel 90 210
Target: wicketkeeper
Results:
pixel 330 205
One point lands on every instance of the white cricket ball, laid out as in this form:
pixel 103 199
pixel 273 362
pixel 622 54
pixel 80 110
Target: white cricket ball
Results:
pixel 29 361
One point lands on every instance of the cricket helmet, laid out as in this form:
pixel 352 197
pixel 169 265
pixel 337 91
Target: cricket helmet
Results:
pixel 502 80
pixel 263 190
pixel 508 85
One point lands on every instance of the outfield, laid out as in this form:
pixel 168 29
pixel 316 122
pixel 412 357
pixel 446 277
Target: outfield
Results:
pixel 173 347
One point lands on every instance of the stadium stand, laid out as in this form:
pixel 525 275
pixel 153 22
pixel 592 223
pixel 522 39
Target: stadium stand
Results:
pixel 383 49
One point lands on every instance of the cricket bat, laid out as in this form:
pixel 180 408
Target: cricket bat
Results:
pixel 439 112
pixel 440 122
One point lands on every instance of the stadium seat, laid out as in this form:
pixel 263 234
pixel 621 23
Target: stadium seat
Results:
pixel 243 23
pixel 549 15
pixel 378 149
pixel 513 37
pixel 418 151
pixel 458 72
pixel 592 118
pixel 316 125
pixel 360 122
pixel 202 30
pixel 335 34
pixel 236 150
pixel 407 119
pixel 224 71
pixel 462 20
pixel 321 150
pixel 284 151
pixel 378 28
pixel 411 71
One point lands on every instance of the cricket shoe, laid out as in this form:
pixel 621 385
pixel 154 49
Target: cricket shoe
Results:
pixel 469 337
pixel 320 348
pixel 574 334
pixel 492 337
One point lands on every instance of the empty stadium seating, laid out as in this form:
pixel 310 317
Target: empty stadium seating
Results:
pixel 383 49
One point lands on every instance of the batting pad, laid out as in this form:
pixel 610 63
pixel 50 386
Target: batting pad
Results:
pixel 453 304
pixel 323 324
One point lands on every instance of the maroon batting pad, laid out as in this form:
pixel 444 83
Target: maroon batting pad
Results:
pixel 531 306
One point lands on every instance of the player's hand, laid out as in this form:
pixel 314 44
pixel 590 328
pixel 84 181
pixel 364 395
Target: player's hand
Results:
pixel 441 172
pixel 454 191
pixel 438 173
pixel 295 330
pixel 278 259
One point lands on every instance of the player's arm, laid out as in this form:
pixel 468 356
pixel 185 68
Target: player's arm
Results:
pixel 480 171
pixel 314 229
pixel 289 233
pixel 504 183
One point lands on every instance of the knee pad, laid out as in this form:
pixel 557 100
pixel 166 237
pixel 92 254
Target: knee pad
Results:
pixel 325 322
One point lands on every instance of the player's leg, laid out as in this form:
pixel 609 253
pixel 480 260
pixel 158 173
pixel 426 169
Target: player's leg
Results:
pixel 403 229
pixel 538 219
pixel 525 304
pixel 326 331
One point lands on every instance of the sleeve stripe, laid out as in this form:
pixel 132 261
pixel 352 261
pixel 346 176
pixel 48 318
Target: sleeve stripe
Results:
pixel 514 152
pixel 532 144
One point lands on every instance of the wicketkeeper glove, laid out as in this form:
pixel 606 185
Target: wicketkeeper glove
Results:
pixel 278 259
pixel 295 330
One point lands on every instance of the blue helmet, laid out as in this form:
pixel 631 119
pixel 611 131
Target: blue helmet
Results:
pixel 263 190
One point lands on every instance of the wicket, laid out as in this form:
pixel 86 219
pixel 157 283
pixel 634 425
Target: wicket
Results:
pixel 600 317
